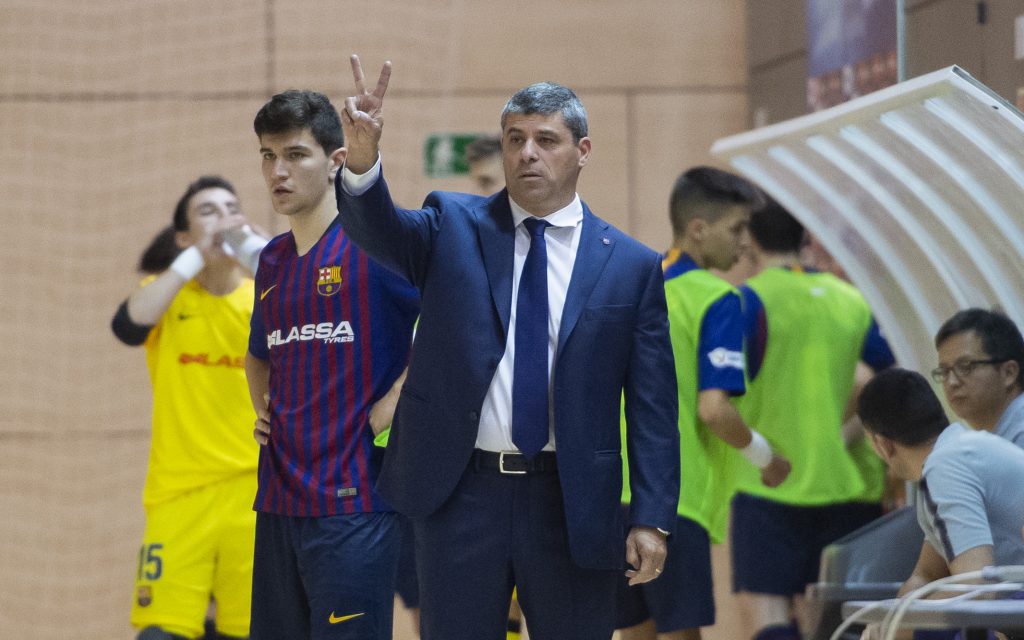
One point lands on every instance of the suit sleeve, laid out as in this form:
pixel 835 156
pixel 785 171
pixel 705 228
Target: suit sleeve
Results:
pixel 652 412
pixel 399 239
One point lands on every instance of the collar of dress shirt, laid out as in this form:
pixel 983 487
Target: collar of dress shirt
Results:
pixel 568 216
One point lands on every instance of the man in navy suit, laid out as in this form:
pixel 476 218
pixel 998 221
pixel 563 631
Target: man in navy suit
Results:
pixel 538 320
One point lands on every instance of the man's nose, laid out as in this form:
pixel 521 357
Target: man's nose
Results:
pixel 529 151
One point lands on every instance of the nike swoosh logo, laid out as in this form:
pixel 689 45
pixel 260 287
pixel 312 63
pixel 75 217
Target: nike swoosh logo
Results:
pixel 266 291
pixel 336 619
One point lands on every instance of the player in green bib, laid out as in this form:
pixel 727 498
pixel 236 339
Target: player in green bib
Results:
pixel 806 334
pixel 709 210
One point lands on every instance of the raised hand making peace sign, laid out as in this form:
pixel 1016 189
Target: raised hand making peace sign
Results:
pixel 362 119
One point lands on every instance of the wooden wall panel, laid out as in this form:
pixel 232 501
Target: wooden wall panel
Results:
pixel 942 33
pixel 481 46
pixel 70 534
pixel 673 133
pixel 604 183
pixel 778 92
pixel 777 59
pixel 777 29
pixel 126 47
pixel 1003 71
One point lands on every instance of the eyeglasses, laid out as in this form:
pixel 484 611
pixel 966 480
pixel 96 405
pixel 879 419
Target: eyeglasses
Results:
pixel 962 368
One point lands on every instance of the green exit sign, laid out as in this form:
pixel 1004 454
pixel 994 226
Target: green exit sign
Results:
pixel 444 154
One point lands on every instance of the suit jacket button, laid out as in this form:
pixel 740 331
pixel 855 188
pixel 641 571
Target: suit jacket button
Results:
pixel 474 416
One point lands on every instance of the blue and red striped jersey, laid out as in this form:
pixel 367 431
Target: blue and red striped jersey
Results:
pixel 336 328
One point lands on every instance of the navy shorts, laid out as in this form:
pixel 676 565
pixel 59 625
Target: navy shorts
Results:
pixel 407 585
pixel 682 596
pixel 329 577
pixel 776 547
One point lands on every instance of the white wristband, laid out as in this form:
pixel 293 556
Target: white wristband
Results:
pixel 188 264
pixel 758 452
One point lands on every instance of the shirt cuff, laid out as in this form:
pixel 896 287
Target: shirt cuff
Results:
pixel 358 184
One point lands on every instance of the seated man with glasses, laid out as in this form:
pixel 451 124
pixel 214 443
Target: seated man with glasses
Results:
pixel 981 356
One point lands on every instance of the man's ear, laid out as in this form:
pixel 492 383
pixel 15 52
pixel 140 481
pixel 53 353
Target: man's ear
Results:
pixel 584 148
pixel 1010 372
pixel 696 228
pixel 182 240
pixel 884 447
pixel 337 160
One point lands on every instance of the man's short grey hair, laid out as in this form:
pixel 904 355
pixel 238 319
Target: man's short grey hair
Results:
pixel 546 98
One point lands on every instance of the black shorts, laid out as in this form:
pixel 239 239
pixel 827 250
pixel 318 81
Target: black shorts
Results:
pixel 776 547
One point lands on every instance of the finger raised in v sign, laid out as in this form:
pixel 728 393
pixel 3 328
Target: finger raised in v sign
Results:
pixel 382 81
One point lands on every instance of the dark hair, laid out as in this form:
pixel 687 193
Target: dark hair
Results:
pixel 902 406
pixel 160 253
pixel 294 109
pixel 546 98
pixel 1000 337
pixel 775 229
pixel 204 182
pixel 482 148
pixel 708 193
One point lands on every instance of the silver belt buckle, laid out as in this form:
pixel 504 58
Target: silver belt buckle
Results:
pixel 501 464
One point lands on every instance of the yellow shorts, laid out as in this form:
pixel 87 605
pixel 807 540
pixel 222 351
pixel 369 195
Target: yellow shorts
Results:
pixel 197 546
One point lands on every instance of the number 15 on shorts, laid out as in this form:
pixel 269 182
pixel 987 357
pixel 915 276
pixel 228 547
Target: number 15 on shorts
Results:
pixel 150 563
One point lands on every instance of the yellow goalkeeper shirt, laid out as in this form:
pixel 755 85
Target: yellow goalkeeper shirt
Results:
pixel 202 415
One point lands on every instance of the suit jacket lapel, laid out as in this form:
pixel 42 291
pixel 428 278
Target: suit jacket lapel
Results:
pixel 497 244
pixel 593 252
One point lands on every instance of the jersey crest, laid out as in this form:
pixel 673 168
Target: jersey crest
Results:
pixel 328 280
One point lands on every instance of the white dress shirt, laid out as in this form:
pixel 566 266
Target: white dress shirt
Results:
pixel 562 240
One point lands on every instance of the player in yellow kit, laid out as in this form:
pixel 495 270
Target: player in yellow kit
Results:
pixel 193 319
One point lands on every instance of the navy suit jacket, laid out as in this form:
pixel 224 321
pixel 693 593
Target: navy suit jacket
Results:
pixel 613 345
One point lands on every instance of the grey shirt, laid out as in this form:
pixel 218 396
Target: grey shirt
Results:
pixel 972 494
pixel 1011 423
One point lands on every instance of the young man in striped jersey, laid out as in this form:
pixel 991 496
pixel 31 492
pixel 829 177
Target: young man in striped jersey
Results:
pixel 709 210
pixel 331 331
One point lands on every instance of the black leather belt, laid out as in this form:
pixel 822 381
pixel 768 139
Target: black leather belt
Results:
pixel 514 463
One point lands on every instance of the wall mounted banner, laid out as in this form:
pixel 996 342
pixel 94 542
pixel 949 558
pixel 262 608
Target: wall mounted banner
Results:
pixel 851 49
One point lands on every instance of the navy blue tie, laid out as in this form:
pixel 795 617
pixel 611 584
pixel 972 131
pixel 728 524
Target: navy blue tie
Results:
pixel 530 376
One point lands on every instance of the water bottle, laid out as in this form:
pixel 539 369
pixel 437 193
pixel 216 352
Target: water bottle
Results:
pixel 245 245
